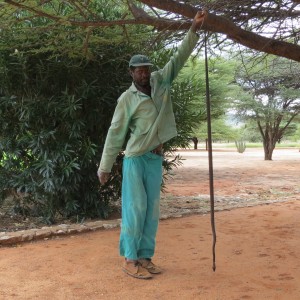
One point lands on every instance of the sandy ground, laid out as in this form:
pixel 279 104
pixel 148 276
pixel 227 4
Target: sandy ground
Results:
pixel 257 252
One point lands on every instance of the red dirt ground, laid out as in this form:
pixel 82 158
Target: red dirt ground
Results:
pixel 257 252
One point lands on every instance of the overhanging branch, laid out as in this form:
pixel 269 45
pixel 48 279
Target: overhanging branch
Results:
pixel 213 23
pixel 222 25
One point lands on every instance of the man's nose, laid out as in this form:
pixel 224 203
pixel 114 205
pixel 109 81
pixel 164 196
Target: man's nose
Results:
pixel 145 74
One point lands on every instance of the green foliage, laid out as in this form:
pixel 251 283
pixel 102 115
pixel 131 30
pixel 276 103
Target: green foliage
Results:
pixel 187 119
pixel 222 90
pixel 67 28
pixel 250 133
pixel 58 85
pixel 57 97
pixel 291 132
pixel 185 98
pixel 218 86
pixel 54 116
pixel 221 131
pixel 295 134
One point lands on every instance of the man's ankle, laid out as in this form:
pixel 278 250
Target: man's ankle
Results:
pixel 130 261
pixel 145 258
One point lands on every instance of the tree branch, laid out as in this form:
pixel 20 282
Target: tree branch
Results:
pixel 213 23
pixel 222 25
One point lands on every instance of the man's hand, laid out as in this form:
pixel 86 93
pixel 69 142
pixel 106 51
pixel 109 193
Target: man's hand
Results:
pixel 103 177
pixel 198 20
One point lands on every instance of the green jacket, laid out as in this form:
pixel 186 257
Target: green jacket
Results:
pixel 150 120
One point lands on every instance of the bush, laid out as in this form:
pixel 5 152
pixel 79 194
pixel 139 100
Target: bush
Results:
pixel 54 119
pixel 54 114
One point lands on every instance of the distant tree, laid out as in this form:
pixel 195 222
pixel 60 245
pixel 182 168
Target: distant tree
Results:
pixel 250 132
pixel 221 131
pixel 273 99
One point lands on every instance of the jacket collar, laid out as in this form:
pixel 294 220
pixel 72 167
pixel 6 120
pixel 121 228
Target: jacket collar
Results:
pixel 133 88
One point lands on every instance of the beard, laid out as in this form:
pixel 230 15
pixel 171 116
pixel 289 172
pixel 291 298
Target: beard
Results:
pixel 145 82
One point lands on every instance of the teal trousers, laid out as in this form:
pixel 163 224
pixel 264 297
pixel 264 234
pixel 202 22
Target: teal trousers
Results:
pixel 142 178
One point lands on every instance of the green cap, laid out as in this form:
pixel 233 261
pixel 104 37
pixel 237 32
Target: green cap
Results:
pixel 139 60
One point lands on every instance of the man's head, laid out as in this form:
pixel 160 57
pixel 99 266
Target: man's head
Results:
pixel 140 69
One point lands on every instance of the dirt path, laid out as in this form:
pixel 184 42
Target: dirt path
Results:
pixel 257 247
pixel 238 174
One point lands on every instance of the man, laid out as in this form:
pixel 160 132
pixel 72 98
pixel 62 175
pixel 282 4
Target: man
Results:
pixel 145 110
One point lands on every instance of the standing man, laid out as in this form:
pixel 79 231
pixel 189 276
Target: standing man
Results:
pixel 145 110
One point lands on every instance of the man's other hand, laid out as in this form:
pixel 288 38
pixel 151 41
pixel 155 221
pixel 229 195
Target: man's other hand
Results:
pixel 103 177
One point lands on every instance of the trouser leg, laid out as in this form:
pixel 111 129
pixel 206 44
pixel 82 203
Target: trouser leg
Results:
pixel 140 205
pixel 152 182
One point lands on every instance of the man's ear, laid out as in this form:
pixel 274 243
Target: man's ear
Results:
pixel 130 72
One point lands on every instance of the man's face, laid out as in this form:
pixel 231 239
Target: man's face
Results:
pixel 141 75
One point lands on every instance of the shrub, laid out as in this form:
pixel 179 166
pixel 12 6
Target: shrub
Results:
pixel 240 146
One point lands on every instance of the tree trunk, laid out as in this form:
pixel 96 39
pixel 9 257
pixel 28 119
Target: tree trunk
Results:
pixel 195 141
pixel 269 147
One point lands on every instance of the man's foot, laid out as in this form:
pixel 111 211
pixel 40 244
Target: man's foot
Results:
pixel 135 270
pixel 150 266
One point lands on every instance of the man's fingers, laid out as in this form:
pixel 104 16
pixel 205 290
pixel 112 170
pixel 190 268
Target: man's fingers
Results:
pixel 103 177
pixel 202 13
